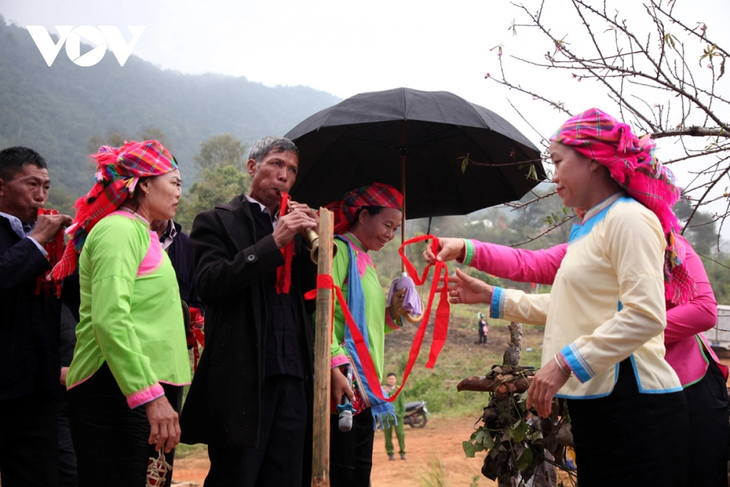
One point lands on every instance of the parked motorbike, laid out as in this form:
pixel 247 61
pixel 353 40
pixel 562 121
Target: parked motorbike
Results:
pixel 416 414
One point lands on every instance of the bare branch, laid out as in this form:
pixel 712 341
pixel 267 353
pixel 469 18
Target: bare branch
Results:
pixel 693 132
pixel 635 65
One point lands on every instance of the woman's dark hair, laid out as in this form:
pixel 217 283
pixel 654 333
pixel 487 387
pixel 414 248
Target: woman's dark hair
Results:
pixel 134 200
pixel 372 211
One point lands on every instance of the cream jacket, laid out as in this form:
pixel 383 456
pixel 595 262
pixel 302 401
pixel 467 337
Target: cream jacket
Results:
pixel 607 302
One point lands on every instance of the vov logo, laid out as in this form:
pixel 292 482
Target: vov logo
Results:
pixel 105 35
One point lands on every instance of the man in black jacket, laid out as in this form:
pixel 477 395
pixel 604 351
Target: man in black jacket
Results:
pixel 178 247
pixel 250 399
pixel 29 325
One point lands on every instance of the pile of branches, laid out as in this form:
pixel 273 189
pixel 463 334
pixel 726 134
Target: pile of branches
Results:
pixel 519 444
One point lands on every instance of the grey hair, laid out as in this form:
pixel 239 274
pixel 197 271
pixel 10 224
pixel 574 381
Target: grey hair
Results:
pixel 264 145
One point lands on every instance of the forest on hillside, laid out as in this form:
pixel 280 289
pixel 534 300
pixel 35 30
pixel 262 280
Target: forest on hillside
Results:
pixel 56 110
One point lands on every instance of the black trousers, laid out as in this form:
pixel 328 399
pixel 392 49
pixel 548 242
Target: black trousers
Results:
pixel 66 453
pixel 630 439
pixel 709 437
pixel 351 452
pixel 110 439
pixel 482 336
pixel 28 442
pixel 278 459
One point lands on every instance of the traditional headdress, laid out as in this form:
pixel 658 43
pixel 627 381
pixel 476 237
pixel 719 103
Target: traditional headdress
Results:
pixel 376 194
pixel 119 169
pixel 632 164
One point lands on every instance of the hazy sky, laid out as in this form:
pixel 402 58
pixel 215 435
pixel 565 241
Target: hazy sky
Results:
pixel 350 46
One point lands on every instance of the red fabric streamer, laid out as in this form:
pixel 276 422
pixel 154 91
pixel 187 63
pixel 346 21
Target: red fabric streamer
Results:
pixel 441 323
pixel 283 273
pixel 196 336
pixel 324 281
pixel 440 327
pixel 54 247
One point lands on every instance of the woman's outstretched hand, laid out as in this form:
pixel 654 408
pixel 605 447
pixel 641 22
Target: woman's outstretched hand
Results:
pixel 464 289
pixel 449 249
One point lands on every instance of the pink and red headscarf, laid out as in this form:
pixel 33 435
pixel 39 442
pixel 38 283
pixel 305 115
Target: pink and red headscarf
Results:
pixel 632 164
pixel 376 194
pixel 119 170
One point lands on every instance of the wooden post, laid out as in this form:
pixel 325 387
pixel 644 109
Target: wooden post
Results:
pixel 322 337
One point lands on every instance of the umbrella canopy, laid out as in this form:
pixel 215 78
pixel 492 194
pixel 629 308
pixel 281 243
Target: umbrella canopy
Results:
pixel 416 137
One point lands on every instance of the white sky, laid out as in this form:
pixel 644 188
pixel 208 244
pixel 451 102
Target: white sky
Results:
pixel 350 46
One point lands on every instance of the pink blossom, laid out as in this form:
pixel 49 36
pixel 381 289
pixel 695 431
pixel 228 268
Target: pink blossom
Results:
pixel 487 76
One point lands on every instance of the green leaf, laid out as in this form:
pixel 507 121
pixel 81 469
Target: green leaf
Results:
pixel 464 163
pixel 484 439
pixel 519 430
pixel 470 448
pixel 481 436
pixel 525 460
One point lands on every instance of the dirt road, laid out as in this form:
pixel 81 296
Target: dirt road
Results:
pixel 439 441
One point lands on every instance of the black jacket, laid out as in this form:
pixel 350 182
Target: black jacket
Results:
pixel 29 323
pixel 222 406
pixel 180 252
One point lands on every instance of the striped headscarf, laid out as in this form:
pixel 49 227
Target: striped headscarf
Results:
pixel 631 162
pixel 118 171
pixel 376 194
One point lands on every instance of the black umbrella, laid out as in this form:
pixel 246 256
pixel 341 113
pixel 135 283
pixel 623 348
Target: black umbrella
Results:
pixel 414 140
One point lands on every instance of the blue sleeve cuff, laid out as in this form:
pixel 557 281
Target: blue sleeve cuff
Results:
pixel 496 310
pixel 577 363
pixel 40 247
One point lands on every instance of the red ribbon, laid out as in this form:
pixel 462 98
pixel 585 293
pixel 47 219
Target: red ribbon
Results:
pixel 196 336
pixel 283 273
pixel 441 324
pixel 54 248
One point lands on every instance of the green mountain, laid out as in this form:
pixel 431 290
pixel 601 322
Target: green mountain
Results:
pixel 55 110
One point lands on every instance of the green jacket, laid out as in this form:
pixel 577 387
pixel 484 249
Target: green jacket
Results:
pixel 400 402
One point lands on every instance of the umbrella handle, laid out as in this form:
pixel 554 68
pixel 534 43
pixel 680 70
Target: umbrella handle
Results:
pixel 413 318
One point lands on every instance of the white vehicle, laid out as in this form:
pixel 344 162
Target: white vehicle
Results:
pixel 719 336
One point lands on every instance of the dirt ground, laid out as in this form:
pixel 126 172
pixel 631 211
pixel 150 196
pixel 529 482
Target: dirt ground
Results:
pixel 440 440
